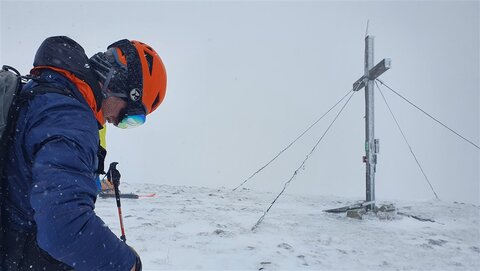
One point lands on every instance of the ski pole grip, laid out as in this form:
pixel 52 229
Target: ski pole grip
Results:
pixel 114 174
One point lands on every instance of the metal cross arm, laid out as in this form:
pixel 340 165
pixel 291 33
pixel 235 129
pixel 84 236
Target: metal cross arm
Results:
pixel 375 72
pixel 380 68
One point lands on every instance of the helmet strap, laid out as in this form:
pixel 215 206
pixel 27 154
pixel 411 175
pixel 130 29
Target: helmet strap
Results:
pixel 110 74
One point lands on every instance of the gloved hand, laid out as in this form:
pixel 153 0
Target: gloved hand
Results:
pixel 138 263
pixel 101 154
pixel 113 174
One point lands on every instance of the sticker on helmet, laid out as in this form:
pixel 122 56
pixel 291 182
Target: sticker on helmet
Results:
pixel 135 94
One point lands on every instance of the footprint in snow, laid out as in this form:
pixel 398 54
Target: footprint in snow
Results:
pixel 438 242
pixel 285 246
pixel 264 264
pixel 302 258
pixel 223 233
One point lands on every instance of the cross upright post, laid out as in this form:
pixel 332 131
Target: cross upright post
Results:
pixel 371 144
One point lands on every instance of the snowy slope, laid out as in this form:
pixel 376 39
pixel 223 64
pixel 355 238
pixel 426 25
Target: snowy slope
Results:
pixel 198 228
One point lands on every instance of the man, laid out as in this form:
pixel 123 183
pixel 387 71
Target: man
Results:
pixel 51 166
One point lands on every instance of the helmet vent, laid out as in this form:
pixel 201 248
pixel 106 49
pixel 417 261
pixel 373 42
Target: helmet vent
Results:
pixel 149 58
pixel 155 103
pixel 148 47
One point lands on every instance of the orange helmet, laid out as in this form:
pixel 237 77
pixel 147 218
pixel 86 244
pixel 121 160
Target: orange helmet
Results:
pixel 146 74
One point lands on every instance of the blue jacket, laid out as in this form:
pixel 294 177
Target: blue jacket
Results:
pixel 51 181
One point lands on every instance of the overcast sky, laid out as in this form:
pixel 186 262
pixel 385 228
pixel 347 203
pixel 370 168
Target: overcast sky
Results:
pixel 246 78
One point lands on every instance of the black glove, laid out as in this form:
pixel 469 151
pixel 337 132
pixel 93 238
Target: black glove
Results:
pixel 113 174
pixel 101 154
pixel 138 262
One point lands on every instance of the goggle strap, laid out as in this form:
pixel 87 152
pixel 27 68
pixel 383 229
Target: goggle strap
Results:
pixel 134 75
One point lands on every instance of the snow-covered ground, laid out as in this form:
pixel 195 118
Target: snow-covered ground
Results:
pixel 184 228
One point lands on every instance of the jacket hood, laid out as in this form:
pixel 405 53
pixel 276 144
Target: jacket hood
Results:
pixel 64 53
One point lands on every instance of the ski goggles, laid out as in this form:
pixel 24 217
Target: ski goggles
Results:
pixel 132 117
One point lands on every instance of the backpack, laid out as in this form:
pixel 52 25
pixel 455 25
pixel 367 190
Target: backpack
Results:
pixel 11 83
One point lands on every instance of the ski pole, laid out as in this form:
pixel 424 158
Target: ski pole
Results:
pixel 115 178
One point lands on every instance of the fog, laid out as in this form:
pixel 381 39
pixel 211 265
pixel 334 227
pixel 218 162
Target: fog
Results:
pixel 246 78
